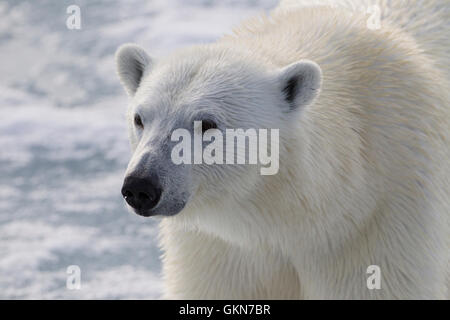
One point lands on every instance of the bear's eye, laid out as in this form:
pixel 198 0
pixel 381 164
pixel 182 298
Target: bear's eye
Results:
pixel 138 121
pixel 208 124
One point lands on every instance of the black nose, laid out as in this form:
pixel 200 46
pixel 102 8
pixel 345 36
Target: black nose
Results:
pixel 141 193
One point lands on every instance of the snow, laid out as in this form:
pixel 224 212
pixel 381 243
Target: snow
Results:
pixel 63 141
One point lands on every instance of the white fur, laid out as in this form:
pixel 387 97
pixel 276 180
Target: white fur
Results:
pixel 364 169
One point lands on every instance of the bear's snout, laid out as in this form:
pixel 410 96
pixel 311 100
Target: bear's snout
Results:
pixel 142 194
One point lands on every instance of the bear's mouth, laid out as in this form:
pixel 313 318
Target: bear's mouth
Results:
pixel 144 213
pixel 164 209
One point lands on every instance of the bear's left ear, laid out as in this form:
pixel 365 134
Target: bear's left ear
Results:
pixel 132 64
pixel 300 83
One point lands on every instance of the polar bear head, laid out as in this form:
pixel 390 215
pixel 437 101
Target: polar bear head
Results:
pixel 224 88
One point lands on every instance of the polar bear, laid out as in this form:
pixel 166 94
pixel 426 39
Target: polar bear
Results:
pixel 364 134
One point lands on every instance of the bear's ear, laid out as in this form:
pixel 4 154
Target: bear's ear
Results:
pixel 132 63
pixel 300 83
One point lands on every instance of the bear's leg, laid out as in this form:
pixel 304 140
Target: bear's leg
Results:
pixel 200 266
pixel 356 279
pixel 399 255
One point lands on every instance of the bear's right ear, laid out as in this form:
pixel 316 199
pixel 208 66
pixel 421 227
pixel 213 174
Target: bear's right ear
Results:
pixel 300 83
pixel 132 64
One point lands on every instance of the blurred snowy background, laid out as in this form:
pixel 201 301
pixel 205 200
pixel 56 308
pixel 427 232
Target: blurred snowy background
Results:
pixel 63 143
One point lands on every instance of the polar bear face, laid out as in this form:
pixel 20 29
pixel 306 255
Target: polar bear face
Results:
pixel 222 88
